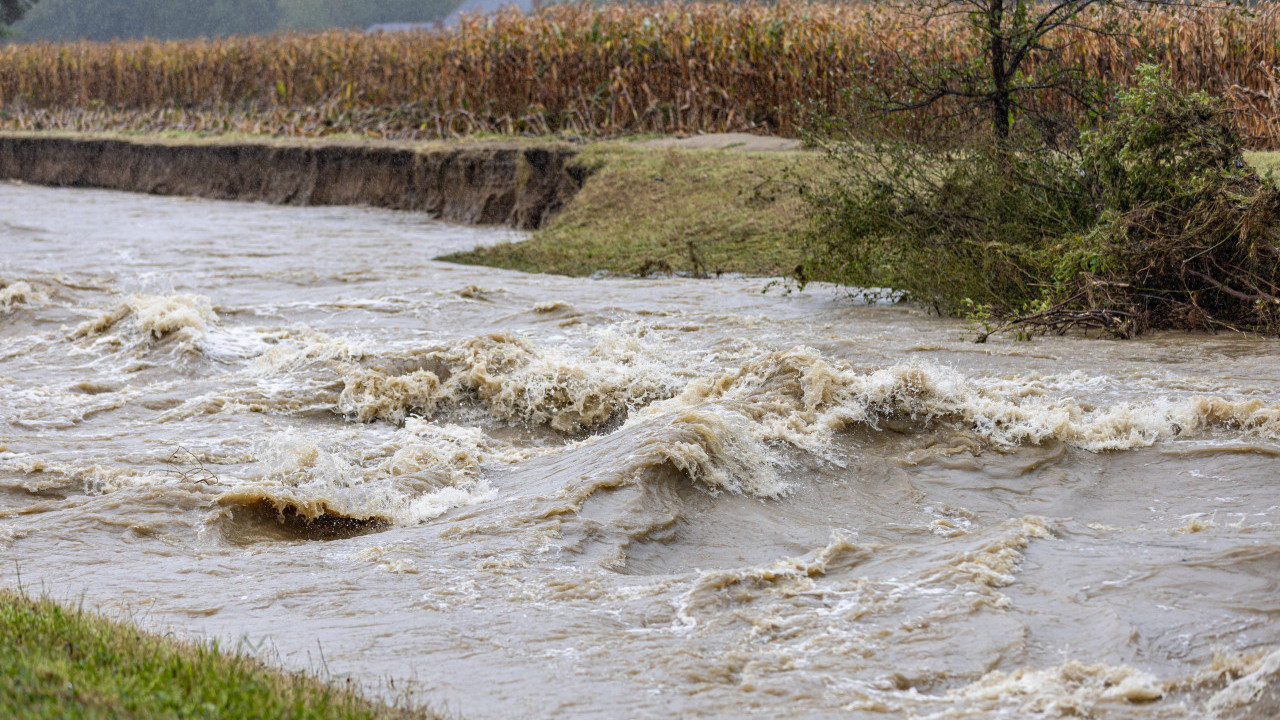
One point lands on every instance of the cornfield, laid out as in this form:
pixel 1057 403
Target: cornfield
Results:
pixel 580 69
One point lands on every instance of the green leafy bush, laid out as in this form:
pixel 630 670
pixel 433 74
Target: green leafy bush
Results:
pixel 1150 220
pixel 1186 231
pixel 953 229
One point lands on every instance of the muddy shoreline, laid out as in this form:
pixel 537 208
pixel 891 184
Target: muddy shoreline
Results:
pixel 517 186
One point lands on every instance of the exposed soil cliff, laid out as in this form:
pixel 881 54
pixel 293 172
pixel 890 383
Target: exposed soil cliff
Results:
pixel 484 185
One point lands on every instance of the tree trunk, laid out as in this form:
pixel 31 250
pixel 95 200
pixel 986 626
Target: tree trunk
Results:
pixel 1001 103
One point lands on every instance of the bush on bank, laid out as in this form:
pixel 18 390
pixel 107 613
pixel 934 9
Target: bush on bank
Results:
pixel 57 662
pixel 1153 220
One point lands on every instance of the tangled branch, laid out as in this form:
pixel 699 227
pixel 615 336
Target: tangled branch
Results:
pixel 189 467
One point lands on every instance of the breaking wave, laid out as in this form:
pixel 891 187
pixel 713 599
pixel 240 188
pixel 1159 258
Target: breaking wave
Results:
pixel 1073 689
pixel 798 397
pixel 424 471
pixel 154 316
pixel 18 294
pixel 513 379
pixel 795 397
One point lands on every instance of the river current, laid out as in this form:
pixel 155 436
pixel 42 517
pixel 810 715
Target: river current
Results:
pixel 531 496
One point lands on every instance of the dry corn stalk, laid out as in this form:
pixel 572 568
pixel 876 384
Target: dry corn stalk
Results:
pixel 669 68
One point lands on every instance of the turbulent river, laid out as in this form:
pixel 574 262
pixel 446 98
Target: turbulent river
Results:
pixel 535 496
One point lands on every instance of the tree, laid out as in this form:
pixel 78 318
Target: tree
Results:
pixel 1149 219
pixel 11 11
pixel 112 19
pixel 1004 36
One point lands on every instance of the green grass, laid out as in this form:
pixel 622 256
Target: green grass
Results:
pixel 646 210
pixel 1264 161
pixel 57 662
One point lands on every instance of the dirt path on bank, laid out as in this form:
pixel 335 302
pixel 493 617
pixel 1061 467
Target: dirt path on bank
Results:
pixel 744 142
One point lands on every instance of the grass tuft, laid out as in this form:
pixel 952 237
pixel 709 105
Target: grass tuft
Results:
pixel 60 662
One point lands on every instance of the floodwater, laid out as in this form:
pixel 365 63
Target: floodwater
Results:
pixel 534 496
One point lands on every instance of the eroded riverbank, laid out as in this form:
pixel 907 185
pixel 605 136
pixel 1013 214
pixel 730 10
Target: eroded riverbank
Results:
pixel 520 185
pixel 700 205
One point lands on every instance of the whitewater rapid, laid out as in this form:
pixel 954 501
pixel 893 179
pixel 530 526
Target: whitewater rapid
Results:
pixel 291 429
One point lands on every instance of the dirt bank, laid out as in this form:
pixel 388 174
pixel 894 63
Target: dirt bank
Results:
pixel 482 184
pixel 698 205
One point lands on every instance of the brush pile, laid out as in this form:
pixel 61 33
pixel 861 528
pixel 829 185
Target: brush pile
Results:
pixel 1152 220
pixel 1188 236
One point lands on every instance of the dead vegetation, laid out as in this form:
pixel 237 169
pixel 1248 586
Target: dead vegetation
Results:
pixel 584 70
pixel 1151 220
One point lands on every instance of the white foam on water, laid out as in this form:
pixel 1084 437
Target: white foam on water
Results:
pixel 18 294
pixel 799 397
pixel 1072 689
pixel 1247 682
pixel 424 471
pixel 154 316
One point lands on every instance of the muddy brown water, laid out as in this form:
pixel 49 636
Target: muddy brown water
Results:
pixel 528 496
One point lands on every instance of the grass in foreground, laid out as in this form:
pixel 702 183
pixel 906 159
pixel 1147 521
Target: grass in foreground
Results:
pixel 657 211
pixel 57 662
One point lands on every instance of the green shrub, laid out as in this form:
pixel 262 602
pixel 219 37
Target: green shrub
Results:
pixel 1152 220
pixel 1186 232
pixel 952 229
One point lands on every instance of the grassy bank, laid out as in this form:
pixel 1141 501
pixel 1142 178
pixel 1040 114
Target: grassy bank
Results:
pixel 690 212
pixel 648 210
pixel 57 662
